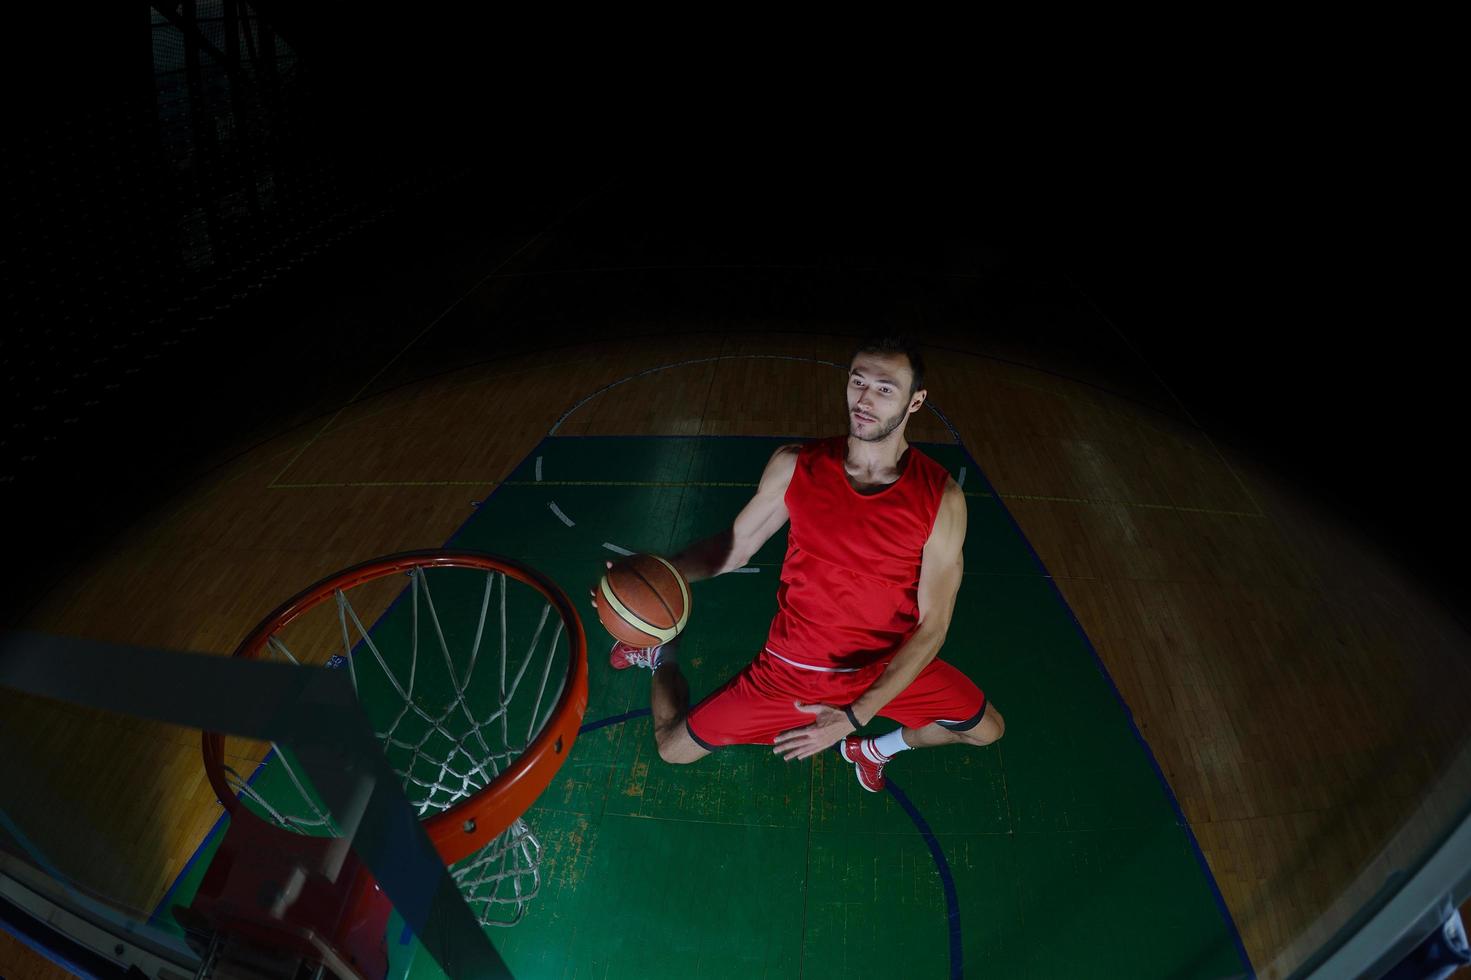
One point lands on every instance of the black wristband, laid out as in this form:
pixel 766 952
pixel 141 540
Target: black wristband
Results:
pixel 848 710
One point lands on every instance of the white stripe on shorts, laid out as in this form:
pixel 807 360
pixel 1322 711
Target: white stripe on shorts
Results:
pixel 825 670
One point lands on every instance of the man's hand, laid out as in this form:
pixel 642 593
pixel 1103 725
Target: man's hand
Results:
pixel 829 725
pixel 594 590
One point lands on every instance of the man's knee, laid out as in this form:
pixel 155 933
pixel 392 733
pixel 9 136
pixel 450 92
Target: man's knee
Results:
pixel 676 747
pixel 990 728
pixel 674 754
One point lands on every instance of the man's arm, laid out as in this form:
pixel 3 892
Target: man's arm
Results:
pixel 939 582
pixel 940 575
pixel 762 517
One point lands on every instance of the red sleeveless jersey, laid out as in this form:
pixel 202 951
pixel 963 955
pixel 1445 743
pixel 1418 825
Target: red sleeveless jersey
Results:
pixel 849 592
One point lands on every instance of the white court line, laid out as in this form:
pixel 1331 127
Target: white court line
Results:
pixel 558 511
pixel 538 469
pixel 748 570
pixel 616 550
pixel 960 481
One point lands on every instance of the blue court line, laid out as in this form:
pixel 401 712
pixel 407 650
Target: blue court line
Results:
pixel 947 881
pixel 593 726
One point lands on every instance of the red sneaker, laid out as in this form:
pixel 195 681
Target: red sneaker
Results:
pixel 623 656
pixel 867 761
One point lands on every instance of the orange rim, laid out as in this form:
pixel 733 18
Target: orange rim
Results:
pixel 472 823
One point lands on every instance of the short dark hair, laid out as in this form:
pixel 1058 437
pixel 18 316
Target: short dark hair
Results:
pixel 896 344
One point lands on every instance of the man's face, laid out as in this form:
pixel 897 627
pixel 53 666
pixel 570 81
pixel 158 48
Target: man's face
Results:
pixel 878 395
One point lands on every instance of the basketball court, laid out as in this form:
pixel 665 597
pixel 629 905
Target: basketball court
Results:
pixel 743 865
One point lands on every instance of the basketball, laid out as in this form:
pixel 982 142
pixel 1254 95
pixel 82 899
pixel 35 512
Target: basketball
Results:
pixel 643 600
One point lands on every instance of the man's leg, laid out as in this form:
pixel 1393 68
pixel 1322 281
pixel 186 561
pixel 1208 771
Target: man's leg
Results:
pixel 941 706
pixel 940 691
pixel 743 710
pixel 669 701
pixel 991 727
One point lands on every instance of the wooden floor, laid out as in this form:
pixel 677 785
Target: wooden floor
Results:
pixel 23 963
pixel 1301 697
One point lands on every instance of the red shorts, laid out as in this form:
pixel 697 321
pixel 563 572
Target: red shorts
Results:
pixel 756 705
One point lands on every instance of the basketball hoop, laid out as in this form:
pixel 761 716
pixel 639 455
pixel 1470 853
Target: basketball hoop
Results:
pixel 475 739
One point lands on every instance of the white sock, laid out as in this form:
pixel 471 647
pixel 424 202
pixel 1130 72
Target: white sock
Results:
pixel 891 744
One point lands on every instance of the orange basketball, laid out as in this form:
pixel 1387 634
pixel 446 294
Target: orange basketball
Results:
pixel 643 600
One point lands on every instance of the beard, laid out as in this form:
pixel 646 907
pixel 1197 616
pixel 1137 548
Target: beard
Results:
pixel 876 432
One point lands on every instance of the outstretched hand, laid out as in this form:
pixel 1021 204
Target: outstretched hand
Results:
pixel 829 725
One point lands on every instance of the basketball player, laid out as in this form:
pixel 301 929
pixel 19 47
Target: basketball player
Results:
pixel 867 590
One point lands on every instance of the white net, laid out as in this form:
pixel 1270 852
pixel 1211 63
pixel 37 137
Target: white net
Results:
pixel 450 720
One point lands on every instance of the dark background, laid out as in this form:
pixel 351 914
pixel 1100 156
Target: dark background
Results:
pixel 171 228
